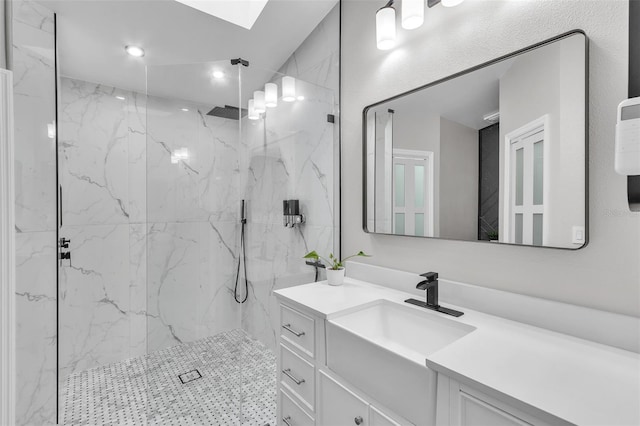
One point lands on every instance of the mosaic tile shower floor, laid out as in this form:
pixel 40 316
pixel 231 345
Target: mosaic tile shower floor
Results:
pixel 148 391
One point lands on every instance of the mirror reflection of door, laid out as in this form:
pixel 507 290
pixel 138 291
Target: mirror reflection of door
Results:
pixel 412 212
pixel 525 175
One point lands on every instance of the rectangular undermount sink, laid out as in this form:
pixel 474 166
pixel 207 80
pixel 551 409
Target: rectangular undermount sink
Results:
pixel 382 348
pixel 407 331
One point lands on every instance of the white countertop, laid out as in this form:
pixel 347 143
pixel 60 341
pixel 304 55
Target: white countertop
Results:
pixel 576 380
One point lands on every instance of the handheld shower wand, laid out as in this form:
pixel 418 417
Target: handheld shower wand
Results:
pixel 243 259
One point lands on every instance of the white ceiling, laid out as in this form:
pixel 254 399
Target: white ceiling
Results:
pixel 92 34
pixel 239 12
pixel 464 100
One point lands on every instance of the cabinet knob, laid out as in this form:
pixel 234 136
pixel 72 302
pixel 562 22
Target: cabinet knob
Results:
pixel 358 420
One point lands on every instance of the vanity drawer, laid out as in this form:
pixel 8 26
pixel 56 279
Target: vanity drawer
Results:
pixel 297 376
pixel 298 330
pixel 292 414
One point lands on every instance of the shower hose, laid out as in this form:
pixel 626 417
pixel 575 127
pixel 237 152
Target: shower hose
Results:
pixel 242 259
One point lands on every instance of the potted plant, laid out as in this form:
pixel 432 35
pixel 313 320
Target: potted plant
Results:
pixel 334 266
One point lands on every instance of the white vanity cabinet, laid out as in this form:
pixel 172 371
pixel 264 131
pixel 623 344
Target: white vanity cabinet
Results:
pixel 298 358
pixel 308 392
pixel 462 405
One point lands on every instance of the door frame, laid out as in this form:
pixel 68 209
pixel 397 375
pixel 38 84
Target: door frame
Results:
pixel 7 253
pixel 531 127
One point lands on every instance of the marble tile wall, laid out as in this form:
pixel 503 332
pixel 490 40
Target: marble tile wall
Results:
pixel 293 154
pixel 153 236
pixel 192 222
pixel 33 64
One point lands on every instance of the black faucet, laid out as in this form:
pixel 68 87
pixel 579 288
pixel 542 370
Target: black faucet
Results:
pixel 430 284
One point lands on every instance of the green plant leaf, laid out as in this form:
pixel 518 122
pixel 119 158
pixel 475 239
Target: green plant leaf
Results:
pixel 311 255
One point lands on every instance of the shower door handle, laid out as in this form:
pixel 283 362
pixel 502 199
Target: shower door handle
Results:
pixel 291 330
pixel 287 420
pixel 287 373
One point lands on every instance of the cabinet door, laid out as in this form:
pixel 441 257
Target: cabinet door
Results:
pixel 339 406
pixel 475 412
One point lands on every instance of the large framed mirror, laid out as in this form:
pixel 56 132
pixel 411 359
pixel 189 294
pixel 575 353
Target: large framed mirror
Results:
pixel 497 153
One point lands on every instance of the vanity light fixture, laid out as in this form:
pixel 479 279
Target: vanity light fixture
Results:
pixel 217 74
pixel 252 115
pixel 135 51
pixel 386 26
pixel 120 98
pixel 412 14
pixel 258 101
pixel 412 18
pixel 288 89
pixel 271 95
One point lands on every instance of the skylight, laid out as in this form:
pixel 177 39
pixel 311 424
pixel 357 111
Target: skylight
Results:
pixel 243 13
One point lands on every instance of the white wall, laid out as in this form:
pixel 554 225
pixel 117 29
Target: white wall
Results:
pixel 458 205
pixel 605 274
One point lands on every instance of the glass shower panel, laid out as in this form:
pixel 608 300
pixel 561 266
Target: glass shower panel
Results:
pixel 291 153
pixel 194 335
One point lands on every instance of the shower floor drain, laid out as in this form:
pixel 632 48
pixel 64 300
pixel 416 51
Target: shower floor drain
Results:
pixel 190 376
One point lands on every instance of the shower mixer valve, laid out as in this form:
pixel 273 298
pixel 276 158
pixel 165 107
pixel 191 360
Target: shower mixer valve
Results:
pixel 291 212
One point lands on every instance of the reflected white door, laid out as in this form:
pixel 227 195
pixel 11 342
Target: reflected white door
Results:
pixel 412 212
pixel 526 187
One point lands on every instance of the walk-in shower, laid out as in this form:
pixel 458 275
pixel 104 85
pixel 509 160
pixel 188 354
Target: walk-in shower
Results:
pixel 129 174
pixel 151 183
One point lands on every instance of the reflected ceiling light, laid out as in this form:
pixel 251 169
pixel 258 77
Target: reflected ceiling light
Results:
pixel 218 74
pixel 412 14
pixel 253 115
pixel 121 98
pixel 184 109
pixel 258 101
pixel 288 89
pixel 386 27
pixel 300 98
pixel 180 154
pixel 136 51
pixel 450 3
pixel 271 95
pixel 51 130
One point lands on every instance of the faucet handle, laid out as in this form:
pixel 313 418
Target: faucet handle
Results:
pixel 430 276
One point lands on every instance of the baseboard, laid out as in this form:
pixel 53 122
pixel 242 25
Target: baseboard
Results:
pixel 7 253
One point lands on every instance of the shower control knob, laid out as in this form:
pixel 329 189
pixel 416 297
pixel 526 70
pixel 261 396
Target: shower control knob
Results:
pixel 358 420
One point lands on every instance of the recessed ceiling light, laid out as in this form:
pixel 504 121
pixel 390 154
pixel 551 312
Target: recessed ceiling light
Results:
pixel 136 51
pixel 218 74
pixel 184 109
pixel 122 98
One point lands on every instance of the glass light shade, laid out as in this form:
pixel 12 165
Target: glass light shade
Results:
pixel 253 115
pixel 450 3
pixel 271 95
pixel 386 28
pixel 412 14
pixel 288 89
pixel 258 101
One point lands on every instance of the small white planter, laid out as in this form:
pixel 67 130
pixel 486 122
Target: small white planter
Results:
pixel 335 276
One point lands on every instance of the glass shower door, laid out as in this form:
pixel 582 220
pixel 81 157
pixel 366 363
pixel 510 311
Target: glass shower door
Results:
pixel 194 336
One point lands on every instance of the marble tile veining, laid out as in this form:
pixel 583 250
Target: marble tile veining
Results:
pixel 237 387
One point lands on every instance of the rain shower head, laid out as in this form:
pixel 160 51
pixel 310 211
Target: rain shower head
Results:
pixel 228 112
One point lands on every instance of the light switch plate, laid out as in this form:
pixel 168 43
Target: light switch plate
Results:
pixel 578 235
